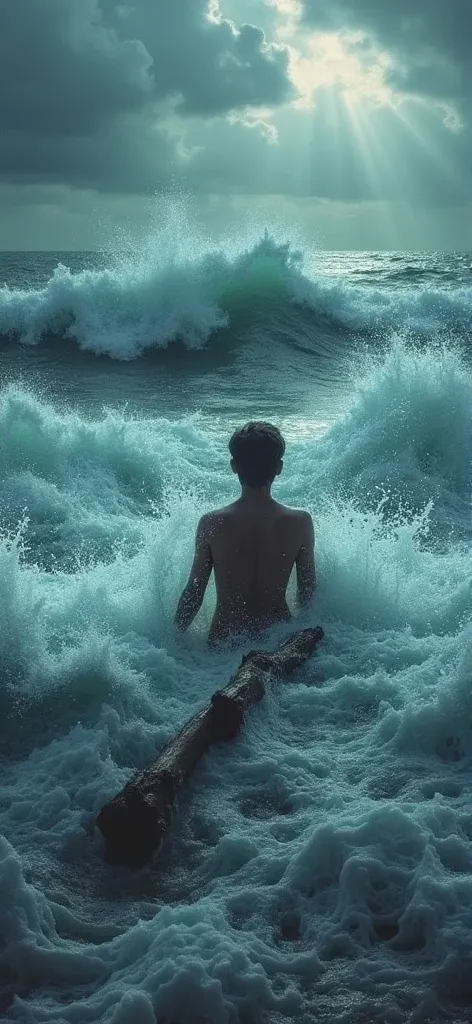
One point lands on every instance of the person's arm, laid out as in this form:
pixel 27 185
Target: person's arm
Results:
pixel 305 562
pixel 193 594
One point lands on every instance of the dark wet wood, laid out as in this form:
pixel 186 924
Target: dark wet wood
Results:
pixel 134 823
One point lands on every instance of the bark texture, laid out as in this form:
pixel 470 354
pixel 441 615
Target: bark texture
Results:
pixel 133 824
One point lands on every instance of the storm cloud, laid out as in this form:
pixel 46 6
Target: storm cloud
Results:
pixel 83 85
pixel 124 99
pixel 65 65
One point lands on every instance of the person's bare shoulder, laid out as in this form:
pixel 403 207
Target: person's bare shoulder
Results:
pixel 305 526
pixel 227 512
pixel 212 521
pixel 299 523
pixel 297 515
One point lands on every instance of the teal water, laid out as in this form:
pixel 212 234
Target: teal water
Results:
pixel 320 868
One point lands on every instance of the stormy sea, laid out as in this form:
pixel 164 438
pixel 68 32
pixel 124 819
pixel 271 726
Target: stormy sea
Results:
pixel 318 867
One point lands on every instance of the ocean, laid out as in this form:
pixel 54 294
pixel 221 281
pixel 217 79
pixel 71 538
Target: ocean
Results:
pixel 319 866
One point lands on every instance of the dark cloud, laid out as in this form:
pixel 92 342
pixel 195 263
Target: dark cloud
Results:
pixel 408 155
pixel 128 155
pixel 65 65
pixel 83 84
pixel 430 40
pixel 125 98
pixel 64 71
pixel 207 63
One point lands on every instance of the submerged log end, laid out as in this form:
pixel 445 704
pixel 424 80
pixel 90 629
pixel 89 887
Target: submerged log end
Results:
pixel 227 716
pixel 133 825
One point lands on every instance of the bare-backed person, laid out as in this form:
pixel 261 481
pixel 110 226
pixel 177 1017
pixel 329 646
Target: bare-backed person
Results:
pixel 252 545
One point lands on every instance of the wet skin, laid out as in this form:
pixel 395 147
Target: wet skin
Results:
pixel 252 546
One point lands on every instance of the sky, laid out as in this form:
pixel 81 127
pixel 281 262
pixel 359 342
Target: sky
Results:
pixel 346 123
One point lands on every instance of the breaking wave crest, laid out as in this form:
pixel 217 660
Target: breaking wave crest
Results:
pixel 148 301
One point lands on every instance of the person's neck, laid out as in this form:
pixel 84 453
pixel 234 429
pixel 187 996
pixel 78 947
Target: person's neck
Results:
pixel 255 494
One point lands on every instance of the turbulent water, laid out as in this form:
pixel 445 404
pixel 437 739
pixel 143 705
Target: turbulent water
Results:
pixel 320 866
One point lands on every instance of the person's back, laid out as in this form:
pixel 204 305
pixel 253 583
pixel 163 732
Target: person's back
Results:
pixel 252 545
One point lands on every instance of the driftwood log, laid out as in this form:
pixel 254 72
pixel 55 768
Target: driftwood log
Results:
pixel 134 822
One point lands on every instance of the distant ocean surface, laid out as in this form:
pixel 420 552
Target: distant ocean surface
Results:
pixel 319 868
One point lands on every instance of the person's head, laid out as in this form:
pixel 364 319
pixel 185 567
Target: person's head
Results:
pixel 257 450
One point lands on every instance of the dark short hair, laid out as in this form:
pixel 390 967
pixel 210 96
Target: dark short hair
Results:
pixel 257 450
